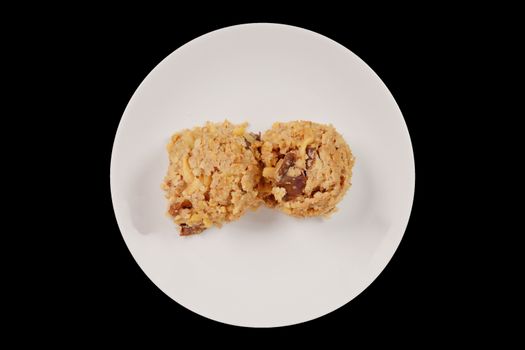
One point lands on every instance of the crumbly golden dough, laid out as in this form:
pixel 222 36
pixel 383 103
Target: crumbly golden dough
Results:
pixel 307 168
pixel 213 175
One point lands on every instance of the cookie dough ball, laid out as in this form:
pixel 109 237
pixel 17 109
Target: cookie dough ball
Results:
pixel 307 168
pixel 213 175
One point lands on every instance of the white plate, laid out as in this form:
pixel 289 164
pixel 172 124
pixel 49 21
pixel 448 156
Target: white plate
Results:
pixel 267 269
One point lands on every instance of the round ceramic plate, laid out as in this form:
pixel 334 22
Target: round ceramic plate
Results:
pixel 266 269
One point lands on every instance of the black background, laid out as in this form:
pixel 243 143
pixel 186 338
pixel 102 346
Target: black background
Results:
pixel 108 58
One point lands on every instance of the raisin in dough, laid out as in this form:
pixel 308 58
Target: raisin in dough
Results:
pixel 213 175
pixel 307 168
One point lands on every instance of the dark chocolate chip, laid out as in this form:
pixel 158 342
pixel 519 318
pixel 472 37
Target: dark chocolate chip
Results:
pixel 186 230
pixel 310 152
pixel 176 207
pixel 288 162
pixel 294 186
pixel 270 200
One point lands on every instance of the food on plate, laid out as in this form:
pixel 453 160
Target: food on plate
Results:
pixel 219 171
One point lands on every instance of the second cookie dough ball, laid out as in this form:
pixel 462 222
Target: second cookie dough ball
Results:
pixel 213 175
pixel 307 168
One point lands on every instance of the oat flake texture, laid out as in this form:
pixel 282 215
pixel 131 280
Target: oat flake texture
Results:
pixel 213 175
pixel 219 171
